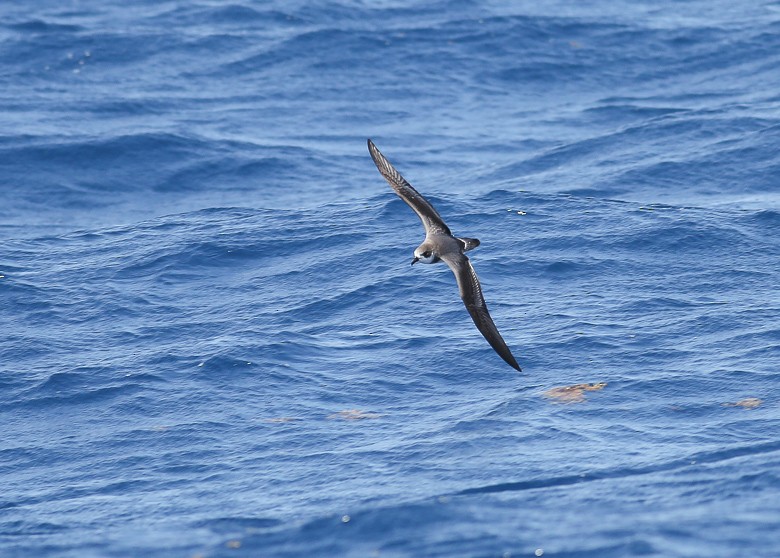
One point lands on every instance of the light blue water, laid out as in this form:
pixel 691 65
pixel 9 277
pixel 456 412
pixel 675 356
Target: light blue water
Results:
pixel 214 343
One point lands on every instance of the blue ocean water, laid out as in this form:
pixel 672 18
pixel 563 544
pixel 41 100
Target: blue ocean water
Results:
pixel 215 345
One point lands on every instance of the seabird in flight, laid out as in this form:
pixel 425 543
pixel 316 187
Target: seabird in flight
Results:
pixel 440 245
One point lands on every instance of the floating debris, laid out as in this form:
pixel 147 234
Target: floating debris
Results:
pixel 747 403
pixel 573 394
pixel 353 414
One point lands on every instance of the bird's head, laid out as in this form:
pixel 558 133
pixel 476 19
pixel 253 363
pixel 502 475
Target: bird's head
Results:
pixel 425 254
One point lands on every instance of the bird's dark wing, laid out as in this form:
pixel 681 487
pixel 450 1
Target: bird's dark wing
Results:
pixel 430 218
pixel 471 293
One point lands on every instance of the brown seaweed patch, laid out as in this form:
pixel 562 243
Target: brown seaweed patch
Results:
pixel 572 394
pixel 354 414
pixel 747 403
pixel 278 420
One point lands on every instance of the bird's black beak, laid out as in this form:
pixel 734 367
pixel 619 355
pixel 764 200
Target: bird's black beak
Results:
pixel 415 260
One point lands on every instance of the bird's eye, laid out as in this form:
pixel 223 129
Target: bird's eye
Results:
pixel 427 254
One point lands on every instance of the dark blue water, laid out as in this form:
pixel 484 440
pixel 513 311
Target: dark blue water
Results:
pixel 214 344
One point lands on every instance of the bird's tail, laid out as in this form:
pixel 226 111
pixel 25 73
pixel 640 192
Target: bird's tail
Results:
pixel 469 243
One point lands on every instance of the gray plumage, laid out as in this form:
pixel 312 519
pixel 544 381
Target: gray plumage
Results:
pixel 440 245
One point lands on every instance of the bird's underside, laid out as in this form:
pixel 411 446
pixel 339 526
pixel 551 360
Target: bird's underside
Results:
pixel 440 245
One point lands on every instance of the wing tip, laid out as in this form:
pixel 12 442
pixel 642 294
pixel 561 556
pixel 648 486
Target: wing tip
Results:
pixel 376 155
pixel 508 357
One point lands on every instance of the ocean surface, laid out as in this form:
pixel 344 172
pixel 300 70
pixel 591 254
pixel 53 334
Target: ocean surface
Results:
pixel 214 344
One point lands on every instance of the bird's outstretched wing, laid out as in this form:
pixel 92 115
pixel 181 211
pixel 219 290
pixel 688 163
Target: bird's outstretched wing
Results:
pixel 430 218
pixel 471 293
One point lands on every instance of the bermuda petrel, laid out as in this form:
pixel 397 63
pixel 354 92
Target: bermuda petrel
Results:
pixel 440 245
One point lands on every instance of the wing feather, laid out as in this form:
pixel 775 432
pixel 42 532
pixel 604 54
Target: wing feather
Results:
pixel 430 218
pixel 471 293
